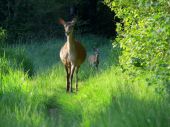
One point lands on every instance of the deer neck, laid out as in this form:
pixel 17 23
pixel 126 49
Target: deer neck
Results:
pixel 70 42
pixel 97 57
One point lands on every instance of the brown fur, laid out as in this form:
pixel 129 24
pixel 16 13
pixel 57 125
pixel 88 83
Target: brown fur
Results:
pixel 72 55
pixel 94 59
pixel 79 53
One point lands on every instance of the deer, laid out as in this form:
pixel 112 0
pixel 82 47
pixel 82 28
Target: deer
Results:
pixel 72 54
pixel 94 59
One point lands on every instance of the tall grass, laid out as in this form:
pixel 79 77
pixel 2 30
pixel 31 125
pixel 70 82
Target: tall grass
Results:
pixel 106 98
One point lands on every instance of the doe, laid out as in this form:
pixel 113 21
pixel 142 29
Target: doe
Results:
pixel 94 59
pixel 72 54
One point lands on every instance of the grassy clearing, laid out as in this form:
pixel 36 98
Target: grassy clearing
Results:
pixel 106 98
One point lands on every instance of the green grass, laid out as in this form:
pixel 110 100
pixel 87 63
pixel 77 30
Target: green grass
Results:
pixel 107 98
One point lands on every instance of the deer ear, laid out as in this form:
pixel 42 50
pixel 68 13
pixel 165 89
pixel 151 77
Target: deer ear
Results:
pixel 61 21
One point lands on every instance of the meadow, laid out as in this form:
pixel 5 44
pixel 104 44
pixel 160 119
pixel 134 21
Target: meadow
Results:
pixel 33 93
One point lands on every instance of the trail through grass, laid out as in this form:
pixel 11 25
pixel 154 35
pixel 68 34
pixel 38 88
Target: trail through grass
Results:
pixel 107 98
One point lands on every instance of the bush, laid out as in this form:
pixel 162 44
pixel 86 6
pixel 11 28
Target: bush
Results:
pixel 4 66
pixel 18 60
pixel 145 38
pixel 2 37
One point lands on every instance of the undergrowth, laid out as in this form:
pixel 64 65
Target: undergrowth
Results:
pixel 106 98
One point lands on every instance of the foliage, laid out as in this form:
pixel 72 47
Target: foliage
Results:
pixel 105 98
pixel 17 60
pixel 2 37
pixel 145 37
pixel 28 19
pixel 4 66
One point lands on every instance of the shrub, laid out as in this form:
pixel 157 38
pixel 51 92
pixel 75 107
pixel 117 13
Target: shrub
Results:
pixel 2 37
pixel 4 66
pixel 145 38
pixel 17 59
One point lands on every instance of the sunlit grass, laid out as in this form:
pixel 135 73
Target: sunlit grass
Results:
pixel 105 98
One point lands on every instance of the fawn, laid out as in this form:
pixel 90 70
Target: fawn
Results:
pixel 94 59
pixel 72 54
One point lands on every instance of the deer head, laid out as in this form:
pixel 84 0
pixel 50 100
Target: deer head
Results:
pixel 68 26
pixel 96 51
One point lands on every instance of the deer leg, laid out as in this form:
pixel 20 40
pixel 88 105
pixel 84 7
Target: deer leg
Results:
pixel 71 76
pixel 77 68
pixel 67 76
